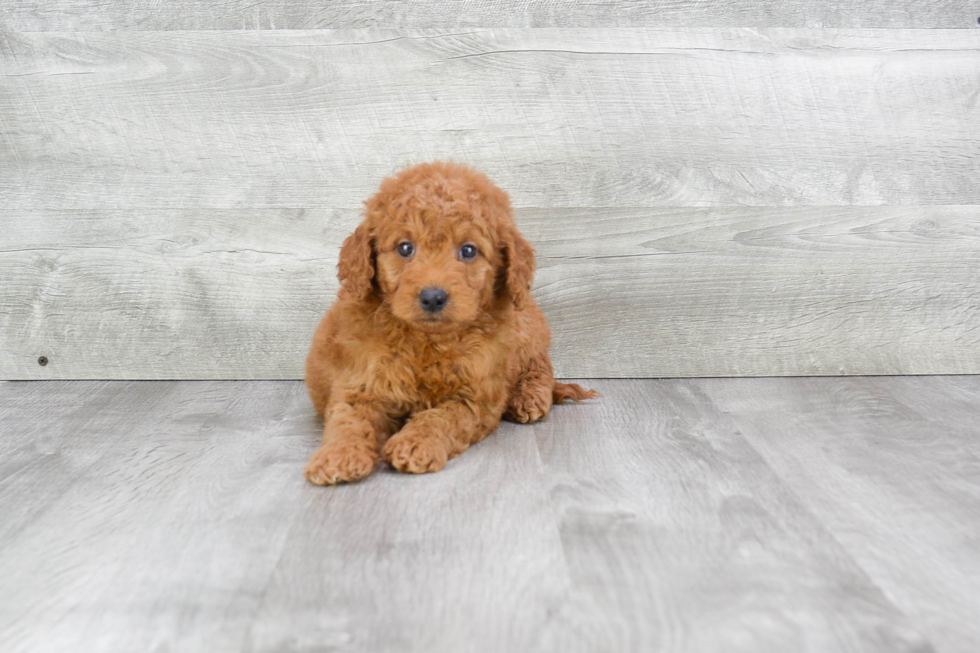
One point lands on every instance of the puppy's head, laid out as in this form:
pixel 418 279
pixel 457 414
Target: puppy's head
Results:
pixel 439 245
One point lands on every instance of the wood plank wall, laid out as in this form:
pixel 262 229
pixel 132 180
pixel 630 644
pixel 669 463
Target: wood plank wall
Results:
pixel 714 188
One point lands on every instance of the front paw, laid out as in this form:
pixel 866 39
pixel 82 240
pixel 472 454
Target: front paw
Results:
pixel 415 453
pixel 332 464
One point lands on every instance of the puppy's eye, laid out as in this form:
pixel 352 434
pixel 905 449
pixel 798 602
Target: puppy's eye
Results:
pixel 467 252
pixel 406 249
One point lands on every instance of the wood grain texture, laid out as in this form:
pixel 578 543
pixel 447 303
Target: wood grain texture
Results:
pixel 169 524
pixel 679 537
pixel 643 521
pixel 59 15
pixel 558 117
pixel 892 468
pixel 469 560
pixel 167 294
pixel 629 292
pixel 45 439
pixel 172 201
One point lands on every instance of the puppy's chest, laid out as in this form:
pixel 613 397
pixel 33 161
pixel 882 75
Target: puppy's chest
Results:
pixel 422 376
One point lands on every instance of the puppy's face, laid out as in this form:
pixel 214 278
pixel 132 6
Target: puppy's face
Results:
pixel 436 270
pixel 439 245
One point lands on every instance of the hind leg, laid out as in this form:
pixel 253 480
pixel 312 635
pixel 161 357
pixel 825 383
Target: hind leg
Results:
pixel 532 395
pixel 319 375
pixel 318 387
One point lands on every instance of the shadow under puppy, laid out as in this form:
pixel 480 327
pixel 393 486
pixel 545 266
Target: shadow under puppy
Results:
pixel 434 335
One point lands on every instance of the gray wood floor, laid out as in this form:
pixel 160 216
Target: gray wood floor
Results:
pixel 788 514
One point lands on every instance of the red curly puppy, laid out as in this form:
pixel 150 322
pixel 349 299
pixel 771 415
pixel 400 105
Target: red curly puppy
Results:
pixel 434 335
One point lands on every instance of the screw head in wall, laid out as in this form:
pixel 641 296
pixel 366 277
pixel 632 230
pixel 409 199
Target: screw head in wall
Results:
pixel 42 361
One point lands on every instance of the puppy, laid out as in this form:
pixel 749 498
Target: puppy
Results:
pixel 434 335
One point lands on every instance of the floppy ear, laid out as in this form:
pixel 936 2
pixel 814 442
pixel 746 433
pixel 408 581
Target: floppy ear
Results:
pixel 355 269
pixel 519 266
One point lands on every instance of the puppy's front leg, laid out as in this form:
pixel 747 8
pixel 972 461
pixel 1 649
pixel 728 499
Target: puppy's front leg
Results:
pixel 352 437
pixel 431 437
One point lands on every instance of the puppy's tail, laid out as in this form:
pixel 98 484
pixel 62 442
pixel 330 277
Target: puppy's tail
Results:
pixel 562 391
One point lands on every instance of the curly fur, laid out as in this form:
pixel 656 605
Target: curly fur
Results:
pixel 394 382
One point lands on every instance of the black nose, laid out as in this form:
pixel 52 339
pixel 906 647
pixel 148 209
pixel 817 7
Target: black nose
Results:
pixel 433 299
